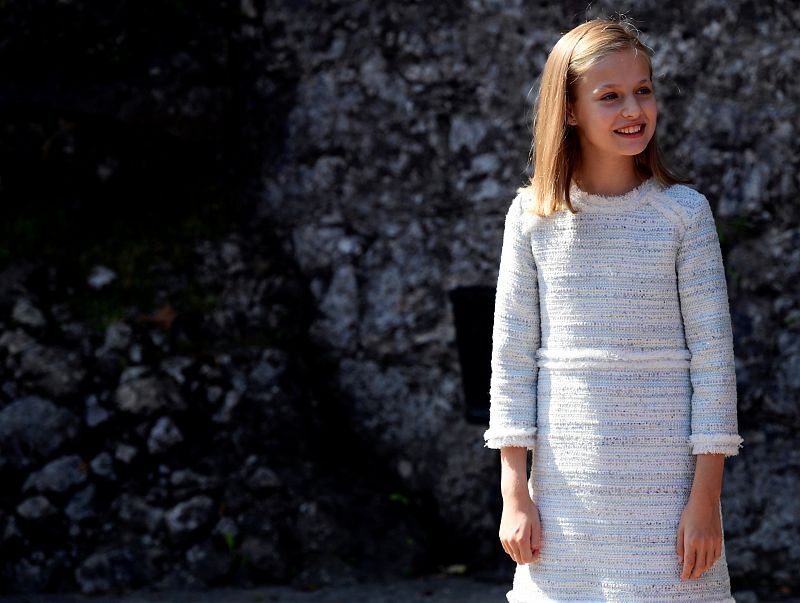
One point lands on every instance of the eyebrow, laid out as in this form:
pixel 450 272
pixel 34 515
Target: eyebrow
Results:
pixel 614 84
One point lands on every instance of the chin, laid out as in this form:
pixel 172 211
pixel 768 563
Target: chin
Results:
pixel 638 149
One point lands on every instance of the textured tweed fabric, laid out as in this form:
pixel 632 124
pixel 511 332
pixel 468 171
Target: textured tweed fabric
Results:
pixel 612 361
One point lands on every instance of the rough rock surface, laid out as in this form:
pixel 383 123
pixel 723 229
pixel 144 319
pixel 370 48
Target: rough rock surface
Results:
pixel 302 365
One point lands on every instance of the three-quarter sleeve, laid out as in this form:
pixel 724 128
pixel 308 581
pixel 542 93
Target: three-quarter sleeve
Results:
pixel 515 339
pixel 709 336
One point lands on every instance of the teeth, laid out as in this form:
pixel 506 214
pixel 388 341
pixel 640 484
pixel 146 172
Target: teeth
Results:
pixel 631 129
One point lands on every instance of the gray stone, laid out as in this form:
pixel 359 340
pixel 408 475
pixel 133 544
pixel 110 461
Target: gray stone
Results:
pixel 80 506
pixel 125 452
pixel 107 571
pixel 95 414
pixel 336 328
pixel 174 366
pixel 103 465
pixel 225 414
pixel 36 508
pixel 214 394
pixel 57 371
pixel 25 313
pixel 118 336
pixel 34 573
pixel 466 132
pixel 59 475
pixel 16 341
pixel 226 528
pixel 207 562
pixel 186 483
pixel 147 394
pixel 485 163
pixel 164 435
pixel 268 370
pixel 488 190
pixel 135 373
pixel 100 276
pixel 264 556
pixel 264 478
pixel 321 246
pixel 32 429
pixel 136 513
pixel 189 517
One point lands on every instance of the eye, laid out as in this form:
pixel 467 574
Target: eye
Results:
pixel 609 96
pixel 645 90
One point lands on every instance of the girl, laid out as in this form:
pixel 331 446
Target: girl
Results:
pixel 612 355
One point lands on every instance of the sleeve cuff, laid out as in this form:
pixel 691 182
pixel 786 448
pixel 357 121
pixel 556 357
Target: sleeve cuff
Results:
pixel 524 437
pixel 712 443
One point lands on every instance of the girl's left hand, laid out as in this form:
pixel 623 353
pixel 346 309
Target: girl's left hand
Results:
pixel 699 536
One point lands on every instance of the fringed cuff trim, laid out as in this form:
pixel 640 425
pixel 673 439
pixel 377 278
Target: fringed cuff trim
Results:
pixel 524 437
pixel 707 443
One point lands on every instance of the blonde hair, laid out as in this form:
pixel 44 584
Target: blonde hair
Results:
pixel 556 149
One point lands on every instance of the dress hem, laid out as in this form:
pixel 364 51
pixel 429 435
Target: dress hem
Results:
pixel 512 598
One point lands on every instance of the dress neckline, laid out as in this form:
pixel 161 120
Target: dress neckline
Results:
pixel 634 198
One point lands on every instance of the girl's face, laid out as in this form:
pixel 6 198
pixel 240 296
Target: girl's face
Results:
pixel 614 111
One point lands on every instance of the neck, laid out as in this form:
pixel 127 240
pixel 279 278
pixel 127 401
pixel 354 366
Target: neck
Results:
pixel 608 176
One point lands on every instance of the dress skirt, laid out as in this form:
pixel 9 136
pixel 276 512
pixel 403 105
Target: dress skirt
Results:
pixel 611 475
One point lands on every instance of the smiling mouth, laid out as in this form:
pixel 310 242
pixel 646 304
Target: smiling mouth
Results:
pixel 631 131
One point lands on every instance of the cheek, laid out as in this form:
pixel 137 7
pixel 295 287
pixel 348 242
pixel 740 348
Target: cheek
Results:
pixel 652 109
pixel 605 115
pixel 611 116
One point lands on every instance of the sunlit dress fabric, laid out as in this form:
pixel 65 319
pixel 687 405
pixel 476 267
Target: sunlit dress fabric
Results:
pixel 612 362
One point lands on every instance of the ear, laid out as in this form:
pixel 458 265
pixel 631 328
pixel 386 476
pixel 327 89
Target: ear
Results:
pixel 571 117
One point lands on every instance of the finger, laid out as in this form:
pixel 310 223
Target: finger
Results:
pixel 514 551
pixel 537 549
pixel 534 544
pixel 679 545
pixel 705 559
pixel 709 560
pixel 504 544
pixel 525 554
pixel 525 547
pixel 689 556
pixel 699 564
pixel 509 549
pixel 534 553
pixel 704 562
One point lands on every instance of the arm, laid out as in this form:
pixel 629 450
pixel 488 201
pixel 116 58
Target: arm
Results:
pixel 512 390
pixel 520 525
pixel 707 483
pixel 515 339
pixel 707 326
pixel 513 473
pixel 699 541
pixel 714 429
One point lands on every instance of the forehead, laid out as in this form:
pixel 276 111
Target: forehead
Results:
pixel 621 67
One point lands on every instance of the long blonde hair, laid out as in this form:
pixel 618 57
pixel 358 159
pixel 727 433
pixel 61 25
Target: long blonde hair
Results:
pixel 556 149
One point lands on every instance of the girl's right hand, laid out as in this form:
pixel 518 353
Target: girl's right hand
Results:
pixel 521 529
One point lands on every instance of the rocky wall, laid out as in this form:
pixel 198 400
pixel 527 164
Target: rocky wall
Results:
pixel 370 150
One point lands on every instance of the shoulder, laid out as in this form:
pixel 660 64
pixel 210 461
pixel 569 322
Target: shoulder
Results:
pixel 521 210
pixel 682 204
pixel 685 197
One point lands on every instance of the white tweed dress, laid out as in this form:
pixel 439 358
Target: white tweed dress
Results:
pixel 612 361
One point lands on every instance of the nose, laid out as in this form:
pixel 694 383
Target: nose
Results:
pixel 631 107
